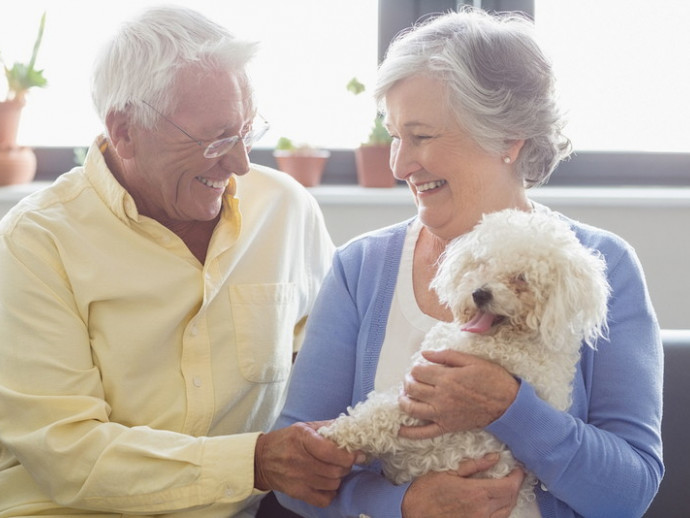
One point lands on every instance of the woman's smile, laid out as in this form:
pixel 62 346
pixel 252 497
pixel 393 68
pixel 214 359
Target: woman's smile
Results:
pixel 430 186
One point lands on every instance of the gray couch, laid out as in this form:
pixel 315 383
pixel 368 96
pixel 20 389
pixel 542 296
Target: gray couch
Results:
pixel 673 499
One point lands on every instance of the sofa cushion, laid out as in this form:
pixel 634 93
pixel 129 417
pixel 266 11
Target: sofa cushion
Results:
pixel 673 500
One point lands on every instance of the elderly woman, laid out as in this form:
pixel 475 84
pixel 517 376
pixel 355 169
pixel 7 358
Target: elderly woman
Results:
pixel 152 300
pixel 469 101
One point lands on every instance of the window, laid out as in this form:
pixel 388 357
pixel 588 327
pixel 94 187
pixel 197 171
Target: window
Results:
pixel 623 75
pixel 623 71
pixel 309 51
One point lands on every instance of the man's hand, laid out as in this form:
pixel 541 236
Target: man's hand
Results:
pixel 453 493
pixel 301 463
pixel 456 392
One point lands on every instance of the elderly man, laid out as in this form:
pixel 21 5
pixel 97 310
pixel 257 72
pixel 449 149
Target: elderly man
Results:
pixel 152 300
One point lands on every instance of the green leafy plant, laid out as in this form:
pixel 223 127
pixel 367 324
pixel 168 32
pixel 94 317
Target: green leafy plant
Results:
pixel 79 155
pixel 22 77
pixel 287 145
pixel 378 135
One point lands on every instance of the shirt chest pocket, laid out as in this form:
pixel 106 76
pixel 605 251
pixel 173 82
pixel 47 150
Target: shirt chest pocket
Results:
pixel 264 317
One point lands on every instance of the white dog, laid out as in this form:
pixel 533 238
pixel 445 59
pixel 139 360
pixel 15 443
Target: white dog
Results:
pixel 525 294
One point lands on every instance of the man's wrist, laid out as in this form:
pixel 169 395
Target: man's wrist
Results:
pixel 259 481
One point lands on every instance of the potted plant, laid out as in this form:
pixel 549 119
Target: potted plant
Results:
pixel 18 164
pixel 301 161
pixel 373 156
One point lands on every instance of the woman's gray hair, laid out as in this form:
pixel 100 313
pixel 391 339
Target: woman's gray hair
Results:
pixel 499 83
pixel 141 62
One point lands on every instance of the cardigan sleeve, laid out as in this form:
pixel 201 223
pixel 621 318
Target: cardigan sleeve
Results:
pixel 327 379
pixel 603 457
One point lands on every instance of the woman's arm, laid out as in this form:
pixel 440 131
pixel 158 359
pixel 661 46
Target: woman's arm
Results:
pixel 613 426
pixel 327 378
pixel 323 385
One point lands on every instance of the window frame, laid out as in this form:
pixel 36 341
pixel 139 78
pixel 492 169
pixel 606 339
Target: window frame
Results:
pixel 583 168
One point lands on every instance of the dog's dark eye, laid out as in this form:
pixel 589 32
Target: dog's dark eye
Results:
pixel 519 283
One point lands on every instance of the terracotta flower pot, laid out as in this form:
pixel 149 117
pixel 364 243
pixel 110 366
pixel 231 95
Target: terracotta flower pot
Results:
pixel 305 167
pixel 17 165
pixel 373 166
pixel 9 122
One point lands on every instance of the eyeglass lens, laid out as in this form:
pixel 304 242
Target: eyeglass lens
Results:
pixel 223 146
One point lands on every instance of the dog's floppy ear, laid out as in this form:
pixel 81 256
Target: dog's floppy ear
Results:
pixel 580 297
pixel 453 263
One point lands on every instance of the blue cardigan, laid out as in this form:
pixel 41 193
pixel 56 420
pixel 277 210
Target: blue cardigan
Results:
pixel 602 458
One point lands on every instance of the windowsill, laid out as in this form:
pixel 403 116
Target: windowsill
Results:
pixel 591 196
pixel 400 196
pixel 583 169
pixel 17 192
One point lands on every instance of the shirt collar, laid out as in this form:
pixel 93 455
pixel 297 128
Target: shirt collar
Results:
pixel 121 202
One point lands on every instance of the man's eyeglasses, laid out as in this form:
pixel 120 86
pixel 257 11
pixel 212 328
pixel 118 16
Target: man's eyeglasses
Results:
pixel 220 147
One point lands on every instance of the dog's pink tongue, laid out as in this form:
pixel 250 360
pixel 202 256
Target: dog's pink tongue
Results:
pixel 480 323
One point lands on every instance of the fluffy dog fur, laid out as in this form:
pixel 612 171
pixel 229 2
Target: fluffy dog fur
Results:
pixel 525 294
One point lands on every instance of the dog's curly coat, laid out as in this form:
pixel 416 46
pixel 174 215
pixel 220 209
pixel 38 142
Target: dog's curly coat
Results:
pixel 525 294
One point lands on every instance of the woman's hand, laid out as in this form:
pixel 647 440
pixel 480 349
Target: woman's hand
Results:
pixel 301 463
pixel 453 494
pixel 456 392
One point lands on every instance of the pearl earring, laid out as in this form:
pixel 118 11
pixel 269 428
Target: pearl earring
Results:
pixel 506 160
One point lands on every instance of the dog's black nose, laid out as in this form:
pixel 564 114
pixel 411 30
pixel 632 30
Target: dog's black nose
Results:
pixel 481 296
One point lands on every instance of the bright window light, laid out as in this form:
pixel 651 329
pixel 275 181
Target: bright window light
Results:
pixel 623 70
pixel 309 50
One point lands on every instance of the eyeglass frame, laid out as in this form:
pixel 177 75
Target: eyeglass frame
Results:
pixel 226 144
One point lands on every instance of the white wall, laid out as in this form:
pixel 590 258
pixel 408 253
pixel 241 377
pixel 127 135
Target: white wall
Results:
pixel 653 221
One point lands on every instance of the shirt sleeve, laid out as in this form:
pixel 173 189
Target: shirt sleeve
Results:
pixel 618 436
pixel 322 387
pixel 318 253
pixel 64 437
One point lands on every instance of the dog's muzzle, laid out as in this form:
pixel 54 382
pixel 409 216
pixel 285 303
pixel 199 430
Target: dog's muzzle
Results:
pixel 481 296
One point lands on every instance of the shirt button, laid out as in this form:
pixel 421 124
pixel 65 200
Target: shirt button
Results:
pixel 194 331
pixel 197 381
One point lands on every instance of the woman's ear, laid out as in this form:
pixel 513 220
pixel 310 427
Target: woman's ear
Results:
pixel 120 132
pixel 514 150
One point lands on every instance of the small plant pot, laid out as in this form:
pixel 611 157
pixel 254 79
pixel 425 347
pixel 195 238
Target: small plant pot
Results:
pixel 306 168
pixel 10 112
pixel 373 166
pixel 17 165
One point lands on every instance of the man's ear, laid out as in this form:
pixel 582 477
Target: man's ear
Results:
pixel 120 133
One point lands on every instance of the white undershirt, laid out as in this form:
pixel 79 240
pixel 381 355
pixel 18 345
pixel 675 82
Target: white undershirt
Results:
pixel 406 327
pixel 407 324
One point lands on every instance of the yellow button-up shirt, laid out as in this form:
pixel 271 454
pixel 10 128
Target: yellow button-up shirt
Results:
pixel 134 379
